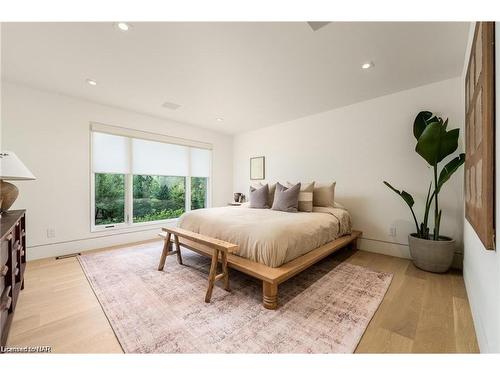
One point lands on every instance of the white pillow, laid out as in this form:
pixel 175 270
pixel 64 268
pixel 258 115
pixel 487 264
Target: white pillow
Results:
pixel 305 196
pixel 324 195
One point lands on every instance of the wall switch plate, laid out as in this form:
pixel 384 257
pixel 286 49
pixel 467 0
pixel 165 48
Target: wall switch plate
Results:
pixel 51 233
pixel 392 231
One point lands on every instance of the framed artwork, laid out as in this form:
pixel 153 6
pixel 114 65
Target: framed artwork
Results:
pixel 479 134
pixel 257 168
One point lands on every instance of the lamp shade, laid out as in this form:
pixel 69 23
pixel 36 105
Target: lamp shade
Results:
pixel 11 168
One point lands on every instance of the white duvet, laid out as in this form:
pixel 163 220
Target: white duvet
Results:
pixel 266 236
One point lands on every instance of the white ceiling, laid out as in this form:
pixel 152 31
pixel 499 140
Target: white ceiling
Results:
pixel 250 74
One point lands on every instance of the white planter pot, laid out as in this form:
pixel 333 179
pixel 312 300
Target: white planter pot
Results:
pixel 430 255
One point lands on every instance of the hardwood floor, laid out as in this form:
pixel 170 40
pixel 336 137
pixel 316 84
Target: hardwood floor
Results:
pixel 421 312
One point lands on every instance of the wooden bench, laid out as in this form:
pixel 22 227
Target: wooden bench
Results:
pixel 204 244
pixel 270 277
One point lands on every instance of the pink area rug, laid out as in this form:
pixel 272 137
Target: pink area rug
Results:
pixel 325 309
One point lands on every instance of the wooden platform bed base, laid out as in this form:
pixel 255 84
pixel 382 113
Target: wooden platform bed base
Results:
pixel 270 277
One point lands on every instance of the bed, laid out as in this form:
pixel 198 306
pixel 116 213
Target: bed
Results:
pixel 272 245
pixel 266 236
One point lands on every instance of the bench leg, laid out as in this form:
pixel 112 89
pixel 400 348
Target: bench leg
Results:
pixel 270 295
pixel 225 270
pixel 354 245
pixel 178 248
pixel 166 249
pixel 211 275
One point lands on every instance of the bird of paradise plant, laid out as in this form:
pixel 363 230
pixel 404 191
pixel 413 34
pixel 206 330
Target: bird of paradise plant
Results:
pixel 434 144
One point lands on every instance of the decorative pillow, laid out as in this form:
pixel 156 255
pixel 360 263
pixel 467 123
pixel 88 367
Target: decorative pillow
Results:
pixel 258 197
pixel 324 194
pixel 272 189
pixel 286 199
pixel 305 196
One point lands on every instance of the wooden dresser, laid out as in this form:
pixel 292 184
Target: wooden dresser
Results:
pixel 12 265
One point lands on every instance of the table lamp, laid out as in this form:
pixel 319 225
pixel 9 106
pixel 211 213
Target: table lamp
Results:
pixel 11 168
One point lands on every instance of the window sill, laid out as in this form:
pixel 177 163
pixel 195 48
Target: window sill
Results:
pixel 124 227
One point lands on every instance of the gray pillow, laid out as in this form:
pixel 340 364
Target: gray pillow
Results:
pixel 259 196
pixel 286 199
pixel 272 188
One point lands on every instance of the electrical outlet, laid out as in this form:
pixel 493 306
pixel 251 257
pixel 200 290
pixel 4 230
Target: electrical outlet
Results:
pixel 51 233
pixel 392 231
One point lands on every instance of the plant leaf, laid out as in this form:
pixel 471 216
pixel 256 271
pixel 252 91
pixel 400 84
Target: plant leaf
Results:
pixel 428 201
pixel 403 194
pixel 449 169
pixel 435 143
pixel 428 195
pixel 437 226
pixel 420 123
pixel 445 125
pixel 449 143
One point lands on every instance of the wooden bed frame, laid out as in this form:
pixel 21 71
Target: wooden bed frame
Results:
pixel 270 277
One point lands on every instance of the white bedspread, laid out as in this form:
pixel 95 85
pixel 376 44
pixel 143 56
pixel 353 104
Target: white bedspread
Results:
pixel 266 236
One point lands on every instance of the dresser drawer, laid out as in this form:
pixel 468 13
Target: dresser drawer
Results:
pixel 6 299
pixel 3 321
pixel 4 257
pixel 3 269
pixel 4 251
pixel 12 245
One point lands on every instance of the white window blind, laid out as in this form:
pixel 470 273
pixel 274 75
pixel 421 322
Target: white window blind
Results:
pixel 110 153
pixel 157 158
pixel 134 153
pixel 127 155
pixel 200 162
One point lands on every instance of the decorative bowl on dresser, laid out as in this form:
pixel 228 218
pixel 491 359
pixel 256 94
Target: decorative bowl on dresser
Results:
pixel 12 265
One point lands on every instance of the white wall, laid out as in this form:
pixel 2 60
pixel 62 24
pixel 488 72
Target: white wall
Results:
pixel 0 86
pixel 359 146
pixel 481 266
pixel 50 134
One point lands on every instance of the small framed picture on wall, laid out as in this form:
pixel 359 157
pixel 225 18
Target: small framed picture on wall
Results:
pixel 257 168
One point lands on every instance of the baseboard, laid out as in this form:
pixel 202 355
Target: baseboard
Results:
pixel 86 244
pixel 399 250
pixel 384 247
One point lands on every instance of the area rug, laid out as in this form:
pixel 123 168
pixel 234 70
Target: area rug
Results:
pixel 325 309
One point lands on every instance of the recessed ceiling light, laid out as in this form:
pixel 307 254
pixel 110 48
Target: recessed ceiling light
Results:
pixel 123 26
pixel 367 65
pixel 220 119
pixel 91 82
pixel 171 105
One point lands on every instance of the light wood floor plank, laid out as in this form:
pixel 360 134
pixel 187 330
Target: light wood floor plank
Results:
pixel 380 340
pixel 421 312
pixel 435 330
pixel 465 337
pixel 404 318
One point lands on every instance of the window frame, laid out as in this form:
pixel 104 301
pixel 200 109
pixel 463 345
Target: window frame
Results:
pixel 128 207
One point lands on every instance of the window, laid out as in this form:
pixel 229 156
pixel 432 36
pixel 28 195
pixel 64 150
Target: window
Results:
pixel 199 188
pixel 109 198
pixel 200 167
pixel 139 180
pixel 158 197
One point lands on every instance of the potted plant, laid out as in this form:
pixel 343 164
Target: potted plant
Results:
pixel 432 251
